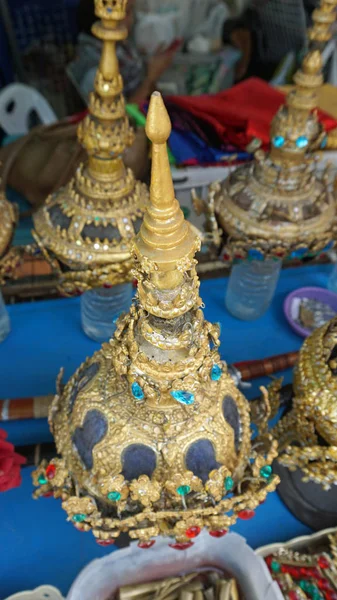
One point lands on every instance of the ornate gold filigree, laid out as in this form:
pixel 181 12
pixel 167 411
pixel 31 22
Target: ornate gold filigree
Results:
pixel 145 491
pixel 313 414
pixel 132 423
pixel 86 228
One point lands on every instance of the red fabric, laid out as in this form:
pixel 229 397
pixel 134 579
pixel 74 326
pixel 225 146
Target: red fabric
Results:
pixel 10 463
pixel 243 112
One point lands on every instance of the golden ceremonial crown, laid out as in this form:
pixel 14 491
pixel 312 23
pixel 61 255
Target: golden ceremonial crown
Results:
pixel 313 417
pixel 86 229
pixel 152 432
pixel 8 220
pixel 278 206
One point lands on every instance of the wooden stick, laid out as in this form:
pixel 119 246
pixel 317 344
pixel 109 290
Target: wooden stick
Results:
pixel 38 407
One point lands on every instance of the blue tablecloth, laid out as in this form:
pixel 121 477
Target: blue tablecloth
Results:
pixel 37 545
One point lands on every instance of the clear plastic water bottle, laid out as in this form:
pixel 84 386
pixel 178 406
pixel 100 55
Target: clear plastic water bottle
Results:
pixel 332 281
pixel 5 325
pixel 101 307
pixel 251 288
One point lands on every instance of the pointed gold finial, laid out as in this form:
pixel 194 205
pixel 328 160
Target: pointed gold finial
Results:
pixel 158 130
pixel 166 241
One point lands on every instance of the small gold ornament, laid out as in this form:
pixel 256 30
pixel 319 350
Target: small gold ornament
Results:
pixel 279 206
pixel 85 230
pixel 153 427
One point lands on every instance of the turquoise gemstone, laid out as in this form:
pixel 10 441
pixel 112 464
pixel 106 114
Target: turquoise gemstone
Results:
pixel 137 391
pixel 229 483
pixel 278 141
pixel 324 142
pixel 328 247
pixel 254 254
pixel 183 490
pixel 114 496
pixel 183 397
pixel 216 373
pixel 299 253
pixel 79 518
pixel 42 479
pixel 275 566
pixel 302 141
pixel 266 471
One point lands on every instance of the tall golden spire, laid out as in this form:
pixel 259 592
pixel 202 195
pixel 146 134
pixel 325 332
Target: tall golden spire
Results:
pixel 105 133
pixel 154 434
pixel 86 229
pixel 165 238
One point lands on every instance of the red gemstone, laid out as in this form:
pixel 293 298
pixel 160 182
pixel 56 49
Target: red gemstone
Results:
pixel 323 562
pixel 246 514
pixel 181 546
pixel 192 532
pixel 48 494
pixel 105 542
pixel 50 471
pixel 218 533
pixel 146 545
pixel 324 585
pixel 226 257
pixel 292 595
pixel 239 256
pixel 107 286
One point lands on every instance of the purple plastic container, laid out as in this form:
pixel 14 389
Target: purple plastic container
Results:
pixel 315 293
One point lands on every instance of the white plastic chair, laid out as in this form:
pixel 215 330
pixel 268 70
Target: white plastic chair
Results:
pixel 18 103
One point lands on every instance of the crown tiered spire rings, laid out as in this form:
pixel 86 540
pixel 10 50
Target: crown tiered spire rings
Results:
pixel 86 229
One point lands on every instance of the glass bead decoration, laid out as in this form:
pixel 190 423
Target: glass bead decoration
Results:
pixel 137 391
pixel 183 490
pixel 182 396
pixel 278 141
pixel 266 471
pixel 114 496
pixel 79 518
pixel 216 373
pixel 229 484
pixel 254 254
pixel 302 141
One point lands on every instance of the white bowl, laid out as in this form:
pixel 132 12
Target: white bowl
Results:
pixel 44 592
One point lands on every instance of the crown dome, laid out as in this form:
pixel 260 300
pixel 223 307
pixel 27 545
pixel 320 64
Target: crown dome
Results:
pixel 86 228
pixel 279 206
pixel 154 435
